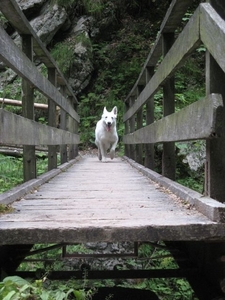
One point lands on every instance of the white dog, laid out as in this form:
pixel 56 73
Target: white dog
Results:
pixel 106 134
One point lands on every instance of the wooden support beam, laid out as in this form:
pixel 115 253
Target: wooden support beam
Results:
pixel 52 115
pixel 168 157
pixel 29 157
pixel 139 148
pixel 123 274
pixel 63 147
pixel 127 130
pixel 132 128
pixel 149 148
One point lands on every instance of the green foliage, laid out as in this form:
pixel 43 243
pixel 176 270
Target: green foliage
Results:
pixel 94 8
pixel 66 4
pixel 168 288
pixel 63 55
pixel 84 40
pixel 11 172
pixel 3 20
pixel 12 91
pixel 4 208
pixel 15 287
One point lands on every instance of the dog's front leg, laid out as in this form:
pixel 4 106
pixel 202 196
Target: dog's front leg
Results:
pixel 103 152
pixel 113 150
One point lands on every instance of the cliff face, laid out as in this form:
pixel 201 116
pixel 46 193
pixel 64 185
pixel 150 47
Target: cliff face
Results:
pixel 70 30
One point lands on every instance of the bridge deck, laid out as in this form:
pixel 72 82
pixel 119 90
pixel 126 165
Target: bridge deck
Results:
pixel 94 201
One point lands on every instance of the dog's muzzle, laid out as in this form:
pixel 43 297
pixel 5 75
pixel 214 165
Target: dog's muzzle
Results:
pixel 108 126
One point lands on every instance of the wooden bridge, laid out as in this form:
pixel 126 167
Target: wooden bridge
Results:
pixel 84 200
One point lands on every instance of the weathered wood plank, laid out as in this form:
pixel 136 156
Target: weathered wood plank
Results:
pixel 212 33
pixel 19 191
pixel 200 120
pixel 102 203
pixel 188 40
pixel 11 55
pixel 209 207
pixel 27 132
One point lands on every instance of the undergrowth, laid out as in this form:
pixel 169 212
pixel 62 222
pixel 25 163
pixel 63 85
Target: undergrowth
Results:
pixel 11 171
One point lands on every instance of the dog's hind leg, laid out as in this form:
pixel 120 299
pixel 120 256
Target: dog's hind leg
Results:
pixel 99 154
pixel 99 150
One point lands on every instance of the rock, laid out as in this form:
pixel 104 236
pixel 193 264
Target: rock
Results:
pixel 82 68
pixel 48 23
pixel 30 6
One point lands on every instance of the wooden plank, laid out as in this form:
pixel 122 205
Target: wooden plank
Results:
pixel 200 120
pixel 212 33
pixel 27 132
pixel 211 208
pixel 188 40
pixel 11 55
pixel 92 201
pixel 14 102
pixel 21 190
pixel 15 16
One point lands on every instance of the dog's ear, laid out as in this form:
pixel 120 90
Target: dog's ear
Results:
pixel 115 110
pixel 104 110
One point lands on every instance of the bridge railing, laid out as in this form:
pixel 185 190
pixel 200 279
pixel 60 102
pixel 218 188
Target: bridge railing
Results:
pixel 204 119
pixel 23 130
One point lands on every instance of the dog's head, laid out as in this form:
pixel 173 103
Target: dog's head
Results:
pixel 109 118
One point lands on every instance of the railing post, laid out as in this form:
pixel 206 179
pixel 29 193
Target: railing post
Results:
pixel 52 149
pixel 127 130
pixel 149 148
pixel 132 129
pixel 63 148
pixel 139 148
pixel 29 158
pixel 168 159
pixel 215 160
pixel 72 127
pixel 76 125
